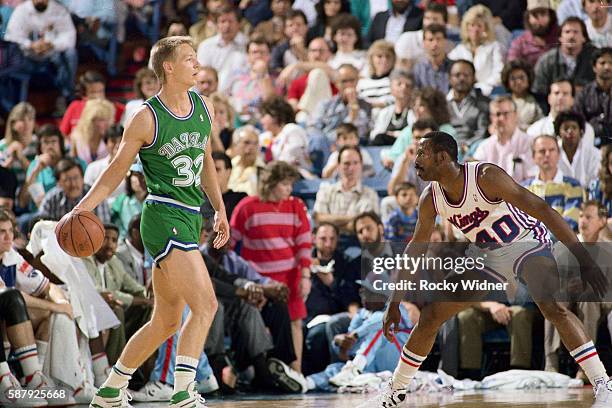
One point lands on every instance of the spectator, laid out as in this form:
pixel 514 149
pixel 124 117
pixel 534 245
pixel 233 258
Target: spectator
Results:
pixel 599 23
pixel 345 33
pixel 432 70
pixel 401 223
pixel 207 26
pixel 19 144
pixel 572 58
pixel 45 32
pixel 410 46
pixel 579 159
pixel 146 85
pixel 541 33
pixel 600 189
pixel 346 135
pixel 69 191
pixel 388 25
pixel 207 81
pixel 247 164
pixel 129 204
pixel 92 85
pixel 221 133
pixel 94 21
pixel 594 102
pixel 293 49
pixel 337 203
pixel 375 88
pixel 111 139
pixel 560 99
pixel 223 165
pixel 562 193
pixel 131 253
pixel 509 13
pixel 478 45
pixel 226 50
pixel 393 118
pixel 327 10
pixel 508 147
pixel 591 222
pixel 517 77
pixel 286 255
pixel 88 135
pixel 273 29
pixel 570 8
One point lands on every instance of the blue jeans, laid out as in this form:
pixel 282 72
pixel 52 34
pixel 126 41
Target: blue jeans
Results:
pixel 64 67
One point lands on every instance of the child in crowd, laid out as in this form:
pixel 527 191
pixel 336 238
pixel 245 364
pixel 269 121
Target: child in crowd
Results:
pixel 402 221
pixel 347 135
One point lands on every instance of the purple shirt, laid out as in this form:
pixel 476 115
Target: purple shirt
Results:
pixel 526 48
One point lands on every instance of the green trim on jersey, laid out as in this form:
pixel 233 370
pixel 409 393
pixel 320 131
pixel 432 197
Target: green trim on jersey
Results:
pixel 173 162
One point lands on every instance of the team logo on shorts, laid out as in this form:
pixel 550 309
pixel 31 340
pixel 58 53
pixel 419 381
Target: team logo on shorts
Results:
pixel 174 231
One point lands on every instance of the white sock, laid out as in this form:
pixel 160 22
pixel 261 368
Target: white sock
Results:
pixel 184 372
pixel 4 369
pixel 586 356
pixel 28 359
pixel 42 347
pixel 119 376
pixel 406 368
pixel 360 361
pixel 100 365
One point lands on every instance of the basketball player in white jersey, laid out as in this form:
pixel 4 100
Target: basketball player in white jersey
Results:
pixel 487 205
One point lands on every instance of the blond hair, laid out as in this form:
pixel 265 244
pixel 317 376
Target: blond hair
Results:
pixel 19 112
pixel 478 12
pixel 94 108
pixel 380 47
pixel 165 50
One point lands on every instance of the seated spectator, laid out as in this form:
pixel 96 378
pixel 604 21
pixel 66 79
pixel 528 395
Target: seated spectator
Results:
pixel 541 33
pixel 226 50
pixel 401 11
pixel 560 99
pixel 394 118
pixel 600 189
pixel 246 164
pixel 273 29
pixel 375 88
pixel 131 253
pixel 508 147
pixel 599 23
pixel 207 81
pixel 121 292
pixel 338 203
pixel 221 133
pixel 572 58
pixel 45 32
pixel 345 33
pixel 19 144
pixel 579 159
pixel 591 223
pixel 593 101
pixel 282 139
pixel 326 10
pixel 401 223
pixel 175 27
pixel 429 104
pixel 433 67
pixel 69 191
pixel 87 139
pixel 480 47
pixel 293 48
pixel 111 139
pixel 562 193
pixel 94 21
pixel 130 203
pixel 346 135
pixel 207 26
pixel 92 85
pixel 223 165
pixel 517 77
pixel 146 85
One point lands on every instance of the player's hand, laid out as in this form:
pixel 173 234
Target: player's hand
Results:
pixel 592 274
pixel 391 320
pixel 221 227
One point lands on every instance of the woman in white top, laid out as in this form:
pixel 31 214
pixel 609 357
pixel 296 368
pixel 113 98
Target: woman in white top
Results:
pixel 376 88
pixel 346 37
pixel 479 46
pixel 146 85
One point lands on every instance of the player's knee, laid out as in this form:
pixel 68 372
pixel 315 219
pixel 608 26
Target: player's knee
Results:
pixel 206 308
pixel 13 307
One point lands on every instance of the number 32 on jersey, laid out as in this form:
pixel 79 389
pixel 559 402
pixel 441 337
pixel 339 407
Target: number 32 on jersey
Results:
pixel 188 170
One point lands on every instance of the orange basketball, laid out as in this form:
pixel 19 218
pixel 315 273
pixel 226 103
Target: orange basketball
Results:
pixel 80 234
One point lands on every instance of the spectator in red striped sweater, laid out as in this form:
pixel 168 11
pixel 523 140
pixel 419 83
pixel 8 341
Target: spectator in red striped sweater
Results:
pixel 273 232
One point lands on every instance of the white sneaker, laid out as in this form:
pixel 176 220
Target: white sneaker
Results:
pixel 153 391
pixel 57 396
pixel 208 385
pixel 85 393
pixel 390 397
pixel 286 377
pixel 108 397
pixel 346 375
pixel 10 396
pixel 188 399
pixel 603 396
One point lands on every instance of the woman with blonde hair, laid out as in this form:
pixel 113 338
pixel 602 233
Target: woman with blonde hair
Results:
pixel 224 121
pixel 376 87
pixel 87 137
pixel 479 46
pixel 19 144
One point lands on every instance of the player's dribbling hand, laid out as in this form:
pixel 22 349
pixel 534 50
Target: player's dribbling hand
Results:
pixel 391 320
pixel 221 227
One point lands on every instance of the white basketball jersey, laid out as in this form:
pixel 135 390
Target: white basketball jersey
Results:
pixel 482 220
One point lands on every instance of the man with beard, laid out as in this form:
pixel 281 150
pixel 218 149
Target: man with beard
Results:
pixel 594 102
pixel 572 58
pixel 541 33
pixel 390 24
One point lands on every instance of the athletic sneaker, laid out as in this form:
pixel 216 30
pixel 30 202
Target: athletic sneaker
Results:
pixel 153 391
pixel 346 375
pixel 188 399
pixel 208 385
pixel 9 389
pixel 603 396
pixel 286 377
pixel 63 396
pixel 390 398
pixel 108 397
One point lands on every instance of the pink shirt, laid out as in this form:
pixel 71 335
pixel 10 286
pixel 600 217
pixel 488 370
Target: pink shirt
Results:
pixel 514 156
pixel 84 153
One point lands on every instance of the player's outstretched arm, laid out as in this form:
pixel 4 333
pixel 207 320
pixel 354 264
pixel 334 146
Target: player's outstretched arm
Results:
pixel 139 131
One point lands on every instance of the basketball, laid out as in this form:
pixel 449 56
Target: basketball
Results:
pixel 81 234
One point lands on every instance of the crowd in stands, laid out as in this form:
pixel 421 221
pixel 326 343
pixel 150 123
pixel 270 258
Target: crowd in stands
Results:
pixel 320 106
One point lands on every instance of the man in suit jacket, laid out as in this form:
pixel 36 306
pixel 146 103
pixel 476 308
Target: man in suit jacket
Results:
pixel 131 253
pixel 389 25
